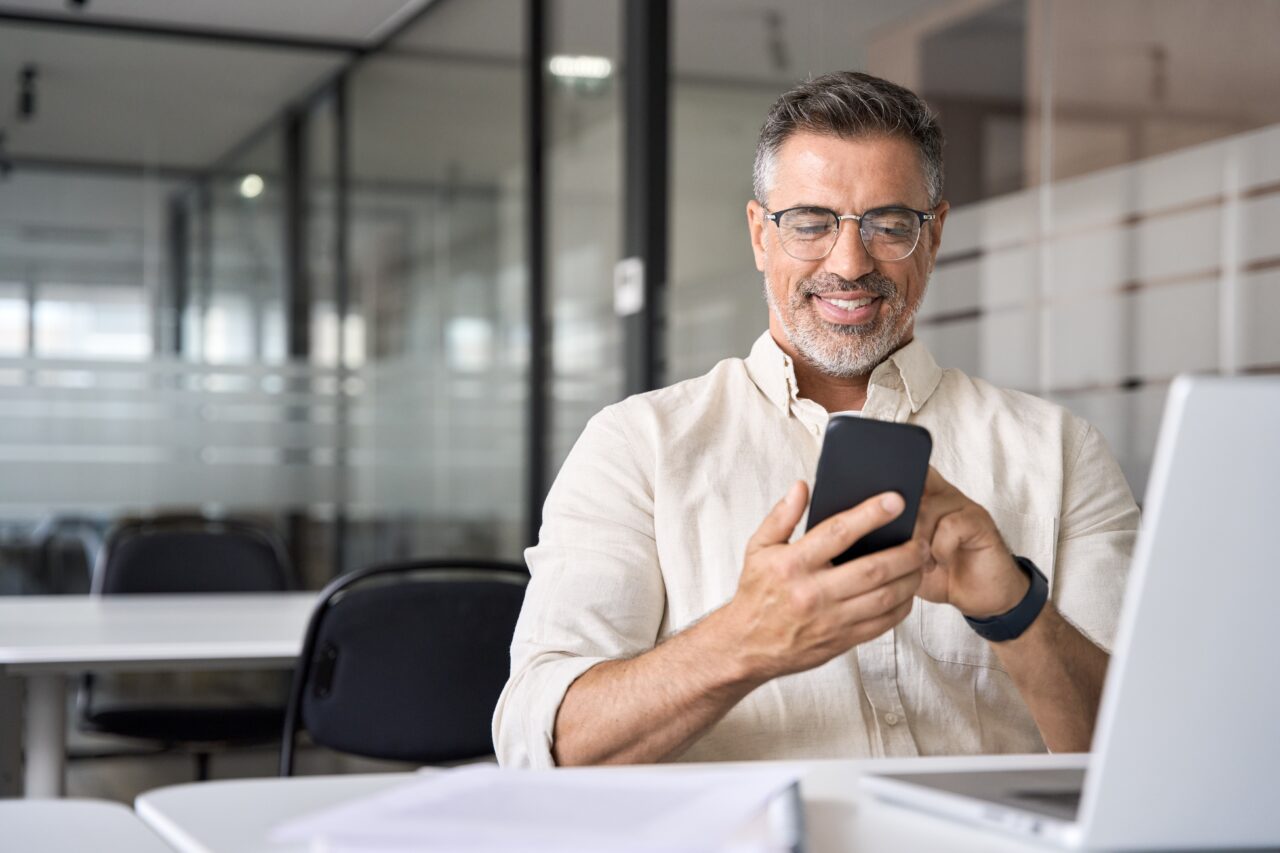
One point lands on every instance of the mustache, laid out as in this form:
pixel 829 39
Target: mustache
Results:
pixel 873 283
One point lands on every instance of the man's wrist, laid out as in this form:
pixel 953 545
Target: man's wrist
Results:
pixel 1012 623
pixel 1016 586
pixel 719 647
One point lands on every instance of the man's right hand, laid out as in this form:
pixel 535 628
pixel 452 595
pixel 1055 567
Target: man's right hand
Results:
pixel 794 610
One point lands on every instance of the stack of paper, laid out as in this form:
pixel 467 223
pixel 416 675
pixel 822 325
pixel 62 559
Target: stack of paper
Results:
pixel 485 808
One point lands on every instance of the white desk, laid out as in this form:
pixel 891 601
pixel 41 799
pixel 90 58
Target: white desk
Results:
pixel 73 826
pixel 237 815
pixel 45 640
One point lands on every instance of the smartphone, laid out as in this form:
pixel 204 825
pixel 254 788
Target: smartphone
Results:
pixel 861 458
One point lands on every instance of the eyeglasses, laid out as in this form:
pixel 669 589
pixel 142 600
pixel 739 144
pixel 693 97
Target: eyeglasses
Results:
pixel 888 233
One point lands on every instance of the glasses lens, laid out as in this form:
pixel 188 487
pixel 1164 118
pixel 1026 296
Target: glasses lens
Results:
pixel 808 233
pixel 890 234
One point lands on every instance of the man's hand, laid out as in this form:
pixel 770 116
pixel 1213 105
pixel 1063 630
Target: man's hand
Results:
pixel 794 610
pixel 969 565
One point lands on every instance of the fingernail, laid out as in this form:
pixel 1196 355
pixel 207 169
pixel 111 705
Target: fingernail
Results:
pixel 892 502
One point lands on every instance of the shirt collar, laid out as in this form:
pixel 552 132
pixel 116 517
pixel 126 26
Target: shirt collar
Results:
pixel 914 365
pixel 774 374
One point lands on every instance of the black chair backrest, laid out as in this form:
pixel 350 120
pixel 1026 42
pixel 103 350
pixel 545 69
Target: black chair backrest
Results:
pixel 406 661
pixel 184 554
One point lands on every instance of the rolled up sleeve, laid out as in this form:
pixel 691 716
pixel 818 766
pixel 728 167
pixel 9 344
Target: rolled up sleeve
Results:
pixel 596 591
pixel 1095 543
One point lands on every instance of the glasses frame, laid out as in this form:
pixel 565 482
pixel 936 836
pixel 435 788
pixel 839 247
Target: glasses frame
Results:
pixel 923 215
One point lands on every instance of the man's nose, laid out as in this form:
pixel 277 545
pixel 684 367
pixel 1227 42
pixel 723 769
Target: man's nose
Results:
pixel 848 258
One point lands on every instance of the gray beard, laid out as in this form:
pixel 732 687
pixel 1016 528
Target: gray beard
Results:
pixel 843 351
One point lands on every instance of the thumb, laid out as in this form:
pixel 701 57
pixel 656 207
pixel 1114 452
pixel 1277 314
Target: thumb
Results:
pixel 782 519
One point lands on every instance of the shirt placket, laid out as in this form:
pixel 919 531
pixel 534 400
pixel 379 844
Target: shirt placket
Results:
pixel 888 730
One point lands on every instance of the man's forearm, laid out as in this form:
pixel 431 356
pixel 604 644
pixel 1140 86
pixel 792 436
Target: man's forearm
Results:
pixel 651 707
pixel 1059 672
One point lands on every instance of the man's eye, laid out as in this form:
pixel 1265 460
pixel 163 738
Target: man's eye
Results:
pixel 808 224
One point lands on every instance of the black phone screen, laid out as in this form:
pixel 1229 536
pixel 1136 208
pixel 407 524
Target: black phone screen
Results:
pixel 862 458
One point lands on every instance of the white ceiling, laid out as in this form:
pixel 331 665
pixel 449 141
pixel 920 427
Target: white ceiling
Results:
pixel 179 102
pixel 142 100
pixel 163 102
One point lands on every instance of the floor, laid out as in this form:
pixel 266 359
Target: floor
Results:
pixel 129 771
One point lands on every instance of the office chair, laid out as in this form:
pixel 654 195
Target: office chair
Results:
pixel 406 661
pixel 51 554
pixel 186 554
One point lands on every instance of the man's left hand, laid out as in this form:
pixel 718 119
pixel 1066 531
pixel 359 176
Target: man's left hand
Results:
pixel 969 566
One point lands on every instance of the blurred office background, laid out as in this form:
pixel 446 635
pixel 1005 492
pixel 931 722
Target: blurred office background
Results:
pixel 282 260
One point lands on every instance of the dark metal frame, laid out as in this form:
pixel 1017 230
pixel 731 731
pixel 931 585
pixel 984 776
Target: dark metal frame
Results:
pixel 646 123
pixel 122 26
pixel 538 427
pixel 179 250
pixel 342 307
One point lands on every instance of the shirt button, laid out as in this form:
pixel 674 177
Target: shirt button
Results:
pixel 892 718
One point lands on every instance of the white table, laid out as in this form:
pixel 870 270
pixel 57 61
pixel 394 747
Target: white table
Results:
pixel 73 826
pixel 238 815
pixel 46 640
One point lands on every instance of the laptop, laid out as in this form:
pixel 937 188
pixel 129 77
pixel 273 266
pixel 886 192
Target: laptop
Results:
pixel 1186 751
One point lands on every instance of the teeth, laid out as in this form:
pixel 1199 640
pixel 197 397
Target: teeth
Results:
pixel 850 304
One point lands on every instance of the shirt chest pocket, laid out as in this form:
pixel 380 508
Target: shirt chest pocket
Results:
pixel 944 635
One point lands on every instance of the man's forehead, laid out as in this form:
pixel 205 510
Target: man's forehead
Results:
pixel 826 160
pixel 830 149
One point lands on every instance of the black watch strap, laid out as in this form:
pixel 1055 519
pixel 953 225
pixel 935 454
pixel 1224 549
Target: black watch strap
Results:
pixel 1010 625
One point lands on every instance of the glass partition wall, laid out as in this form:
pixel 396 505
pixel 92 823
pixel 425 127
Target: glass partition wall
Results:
pixel 438 281
pixel 144 367
pixel 255 280
pixel 1111 169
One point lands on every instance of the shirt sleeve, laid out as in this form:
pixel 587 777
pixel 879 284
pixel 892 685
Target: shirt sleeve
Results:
pixel 1095 542
pixel 596 591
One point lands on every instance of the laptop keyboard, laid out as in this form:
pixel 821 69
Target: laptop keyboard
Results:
pixel 1058 801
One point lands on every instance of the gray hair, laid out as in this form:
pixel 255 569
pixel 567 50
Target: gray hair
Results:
pixel 849 104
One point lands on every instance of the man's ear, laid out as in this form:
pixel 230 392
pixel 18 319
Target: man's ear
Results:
pixel 756 223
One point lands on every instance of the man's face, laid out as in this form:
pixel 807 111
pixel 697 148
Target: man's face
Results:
pixel 818 310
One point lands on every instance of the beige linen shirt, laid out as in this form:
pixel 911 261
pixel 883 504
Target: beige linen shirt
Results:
pixel 645 530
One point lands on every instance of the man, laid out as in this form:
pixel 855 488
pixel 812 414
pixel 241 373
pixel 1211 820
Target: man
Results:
pixel 676 612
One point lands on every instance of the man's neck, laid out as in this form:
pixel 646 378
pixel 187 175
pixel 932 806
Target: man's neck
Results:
pixel 833 393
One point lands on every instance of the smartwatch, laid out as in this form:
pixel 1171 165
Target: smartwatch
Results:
pixel 1011 624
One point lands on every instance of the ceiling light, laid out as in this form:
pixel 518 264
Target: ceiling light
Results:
pixel 251 186
pixel 581 67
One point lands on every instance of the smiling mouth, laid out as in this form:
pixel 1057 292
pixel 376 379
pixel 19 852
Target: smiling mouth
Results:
pixel 846 310
pixel 849 304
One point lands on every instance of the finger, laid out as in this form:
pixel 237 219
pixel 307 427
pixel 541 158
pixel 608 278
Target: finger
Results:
pixel 833 537
pixel 932 508
pixel 781 521
pixel 872 628
pixel 948 535
pixel 969 527
pixel 874 570
pixel 881 600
